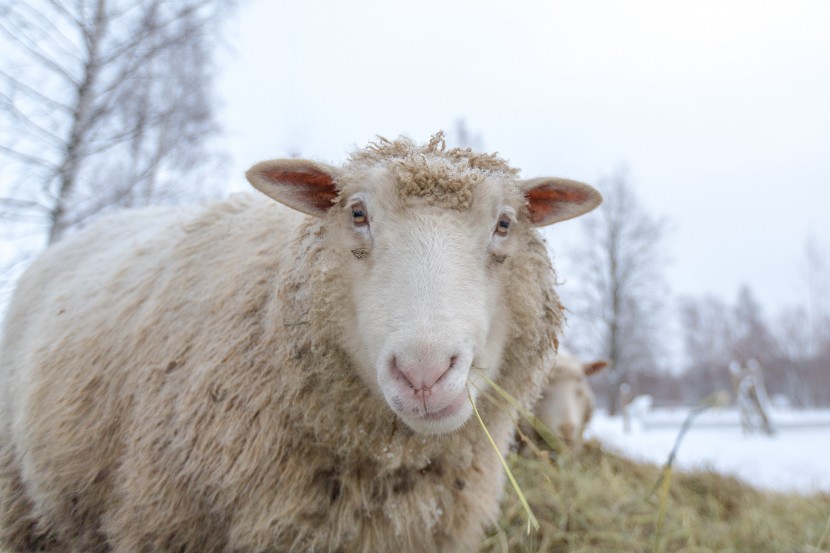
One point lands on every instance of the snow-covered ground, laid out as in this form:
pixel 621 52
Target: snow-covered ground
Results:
pixel 796 458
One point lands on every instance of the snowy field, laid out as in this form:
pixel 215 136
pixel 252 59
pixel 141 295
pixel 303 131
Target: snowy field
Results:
pixel 796 458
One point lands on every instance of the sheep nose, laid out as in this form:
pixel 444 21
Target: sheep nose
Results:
pixel 421 375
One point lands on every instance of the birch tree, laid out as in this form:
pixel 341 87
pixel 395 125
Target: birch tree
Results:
pixel 620 288
pixel 103 103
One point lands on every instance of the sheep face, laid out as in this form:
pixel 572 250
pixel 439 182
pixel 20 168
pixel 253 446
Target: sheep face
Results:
pixel 568 407
pixel 427 287
pixel 425 257
pixel 567 403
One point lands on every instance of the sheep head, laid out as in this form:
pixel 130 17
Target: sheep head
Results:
pixel 423 236
pixel 567 403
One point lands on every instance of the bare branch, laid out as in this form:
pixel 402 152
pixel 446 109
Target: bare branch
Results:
pixel 22 204
pixel 37 95
pixel 31 128
pixel 60 9
pixel 28 159
pixel 19 36
pixel 55 34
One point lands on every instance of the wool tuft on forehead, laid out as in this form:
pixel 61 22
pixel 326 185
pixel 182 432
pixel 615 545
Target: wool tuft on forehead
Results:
pixel 432 172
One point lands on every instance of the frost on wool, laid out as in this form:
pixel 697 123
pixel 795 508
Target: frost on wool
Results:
pixel 432 172
pixel 191 380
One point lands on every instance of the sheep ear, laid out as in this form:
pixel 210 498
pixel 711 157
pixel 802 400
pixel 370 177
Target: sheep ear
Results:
pixel 551 200
pixel 301 184
pixel 595 367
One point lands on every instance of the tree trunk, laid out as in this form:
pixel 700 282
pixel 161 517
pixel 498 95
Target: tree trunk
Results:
pixel 68 172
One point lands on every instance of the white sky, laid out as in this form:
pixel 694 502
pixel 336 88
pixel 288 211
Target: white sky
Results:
pixel 721 110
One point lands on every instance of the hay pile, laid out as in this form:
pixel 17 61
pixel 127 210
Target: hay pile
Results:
pixel 596 501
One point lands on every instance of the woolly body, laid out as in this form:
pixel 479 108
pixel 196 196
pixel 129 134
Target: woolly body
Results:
pixel 180 381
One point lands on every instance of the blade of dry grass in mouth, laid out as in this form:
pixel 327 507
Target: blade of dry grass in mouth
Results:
pixel 547 435
pixel 531 518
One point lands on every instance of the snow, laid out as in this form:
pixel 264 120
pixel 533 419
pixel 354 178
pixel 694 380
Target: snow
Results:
pixel 795 459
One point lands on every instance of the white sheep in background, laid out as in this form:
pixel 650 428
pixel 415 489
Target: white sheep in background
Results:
pixel 244 378
pixel 567 402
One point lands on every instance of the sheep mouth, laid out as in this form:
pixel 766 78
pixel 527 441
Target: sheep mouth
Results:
pixel 454 406
pixel 441 420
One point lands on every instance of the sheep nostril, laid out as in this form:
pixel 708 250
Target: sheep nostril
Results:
pixel 398 373
pixel 453 361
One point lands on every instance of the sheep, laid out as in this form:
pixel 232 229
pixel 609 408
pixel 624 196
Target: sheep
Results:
pixel 242 377
pixel 567 402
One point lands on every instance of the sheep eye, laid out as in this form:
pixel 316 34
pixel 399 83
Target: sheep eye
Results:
pixel 359 217
pixel 502 225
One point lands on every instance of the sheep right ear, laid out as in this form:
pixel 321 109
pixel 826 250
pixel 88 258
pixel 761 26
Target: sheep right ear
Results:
pixel 550 200
pixel 595 367
pixel 301 184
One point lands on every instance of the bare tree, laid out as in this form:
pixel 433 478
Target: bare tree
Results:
pixel 103 103
pixel 816 275
pixel 751 336
pixel 802 336
pixel 818 271
pixel 463 137
pixel 796 357
pixel 707 338
pixel 716 334
pixel 620 288
pixel 820 371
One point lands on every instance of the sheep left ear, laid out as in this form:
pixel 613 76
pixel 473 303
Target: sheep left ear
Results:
pixel 304 185
pixel 551 200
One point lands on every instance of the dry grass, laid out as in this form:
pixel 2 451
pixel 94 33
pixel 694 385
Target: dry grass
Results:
pixel 596 501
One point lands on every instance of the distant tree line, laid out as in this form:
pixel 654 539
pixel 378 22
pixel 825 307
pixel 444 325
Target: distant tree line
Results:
pixel 792 349
pixel 620 308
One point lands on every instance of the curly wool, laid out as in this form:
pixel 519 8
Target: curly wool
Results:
pixel 431 172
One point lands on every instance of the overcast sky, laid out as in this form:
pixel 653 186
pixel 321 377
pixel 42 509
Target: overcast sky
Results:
pixel 720 110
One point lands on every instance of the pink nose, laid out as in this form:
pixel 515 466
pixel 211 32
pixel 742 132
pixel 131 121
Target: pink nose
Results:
pixel 421 376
